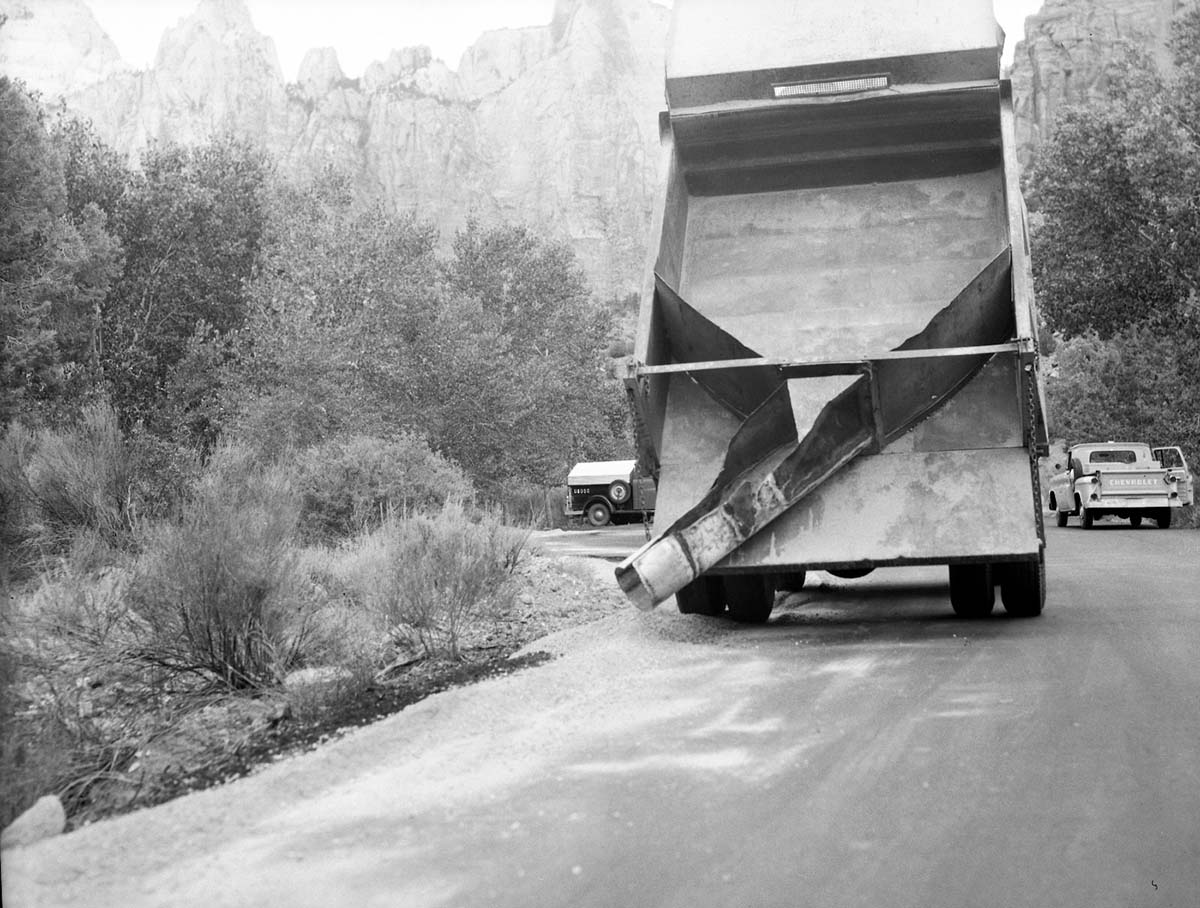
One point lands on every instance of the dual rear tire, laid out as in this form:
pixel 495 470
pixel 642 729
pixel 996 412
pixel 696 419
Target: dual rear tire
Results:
pixel 1022 588
pixel 745 598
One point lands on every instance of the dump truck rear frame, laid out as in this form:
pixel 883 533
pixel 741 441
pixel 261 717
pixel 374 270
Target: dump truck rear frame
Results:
pixel 836 349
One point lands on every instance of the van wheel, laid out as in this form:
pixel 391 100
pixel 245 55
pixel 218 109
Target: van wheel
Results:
pixel 750 597
pixel 1023 587
pixel 618 492
pixel 598 514
pixel 1135 520
pixel 972 594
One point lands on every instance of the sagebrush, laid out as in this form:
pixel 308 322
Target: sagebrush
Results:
pixel 219 588
pixel 434 578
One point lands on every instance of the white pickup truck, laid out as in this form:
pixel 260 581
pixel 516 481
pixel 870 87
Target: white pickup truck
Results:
pixel 1125 479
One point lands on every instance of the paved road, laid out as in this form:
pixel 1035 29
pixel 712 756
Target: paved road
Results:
pixel 613 543
pixel 865 748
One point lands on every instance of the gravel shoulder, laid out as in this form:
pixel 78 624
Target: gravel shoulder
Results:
pixel 439 752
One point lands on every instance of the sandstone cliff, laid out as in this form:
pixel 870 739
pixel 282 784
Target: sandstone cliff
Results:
pixel 55 45
pixel 1067 52
pixel 554 126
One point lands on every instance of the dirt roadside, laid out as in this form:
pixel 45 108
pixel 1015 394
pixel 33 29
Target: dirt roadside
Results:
pixel 225 737
pixel 574 602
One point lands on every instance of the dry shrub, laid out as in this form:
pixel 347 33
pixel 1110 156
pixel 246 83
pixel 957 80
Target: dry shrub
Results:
pixel 74 710
pixel 434 578
pixel 219 588
pixel 80 477
pixel 59 484
pixel 351 484
pixel 529 504
pixel 17 538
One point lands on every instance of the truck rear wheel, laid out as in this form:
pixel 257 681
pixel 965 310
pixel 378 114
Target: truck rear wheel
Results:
pixel 972 594
pixel 1135 520
pixel 1023 587
pixel 703 596
pixel 750 597
pixel 1086 520
pixel 1163 518
pixel 791 582
pixel 1060 518
pixel 852 573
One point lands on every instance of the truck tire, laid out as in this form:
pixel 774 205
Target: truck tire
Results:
pixel 1060 518
pixel 1163 518
pixel 1135 520
pixel 598 514
pixel 1086 520
pixel 619 492
pixel 972 594
pixel 852 573
pixel 791 582
pixel 1023 587
pixel 749 597
pixel 703 596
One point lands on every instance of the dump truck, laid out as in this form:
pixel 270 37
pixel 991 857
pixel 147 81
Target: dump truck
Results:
pixel 836 361
pixel 1120 479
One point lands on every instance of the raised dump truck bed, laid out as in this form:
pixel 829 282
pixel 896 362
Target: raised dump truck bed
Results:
pixel 835 362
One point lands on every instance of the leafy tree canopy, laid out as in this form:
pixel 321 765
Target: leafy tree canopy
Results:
pixel 58 260
pixel 1117 254
pixel 192 223
pixel 1118 191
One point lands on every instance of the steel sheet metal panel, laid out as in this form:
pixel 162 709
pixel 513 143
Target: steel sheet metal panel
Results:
pixel 921 498
pixel 711 37
pixel 840 271
pixel 937 506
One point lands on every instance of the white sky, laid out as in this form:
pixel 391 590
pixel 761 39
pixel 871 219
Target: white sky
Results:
pixel 362 31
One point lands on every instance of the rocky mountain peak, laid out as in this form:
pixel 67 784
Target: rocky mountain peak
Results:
pixel 55 45
pixel 320 72
pixel 217 42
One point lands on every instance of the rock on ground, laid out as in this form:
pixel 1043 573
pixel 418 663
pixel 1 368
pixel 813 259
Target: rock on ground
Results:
pixel 44 819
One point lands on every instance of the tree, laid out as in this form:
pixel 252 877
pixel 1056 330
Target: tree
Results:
pixel 57 263
pixel 192 226
pixel 1117 191
pixel 358 328
pixel 1125 388
pixel 551 400
pixel 336 342
pixel 1117 254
